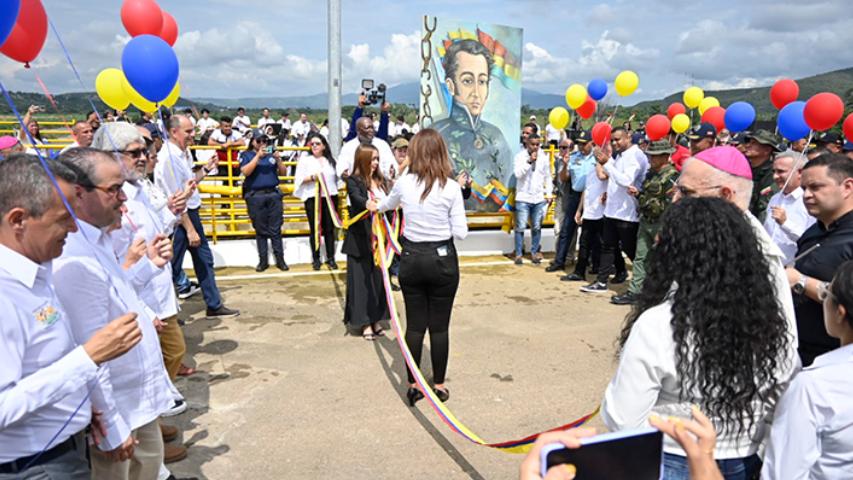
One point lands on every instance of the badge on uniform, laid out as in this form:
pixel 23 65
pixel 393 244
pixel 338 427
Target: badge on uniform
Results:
pixel 46 316
pixel 272 160
pixel 442 251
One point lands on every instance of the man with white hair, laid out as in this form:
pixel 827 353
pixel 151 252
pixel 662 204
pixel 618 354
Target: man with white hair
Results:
pixel 787 217
pixel 725 173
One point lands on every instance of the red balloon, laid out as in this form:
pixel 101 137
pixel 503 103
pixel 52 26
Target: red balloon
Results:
pixel 716 116
pixel 784 92
pixel 601 133
pixel 587 109
pixel 142 17
pixel 169 32
pixel 657 127
pixel 27 38
pixel 823 111
pixel 674 109
pixel 848 127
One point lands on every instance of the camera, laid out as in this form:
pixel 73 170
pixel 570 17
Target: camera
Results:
pixel 373 96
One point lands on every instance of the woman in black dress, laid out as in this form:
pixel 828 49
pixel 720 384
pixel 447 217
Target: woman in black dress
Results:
pixel 366 304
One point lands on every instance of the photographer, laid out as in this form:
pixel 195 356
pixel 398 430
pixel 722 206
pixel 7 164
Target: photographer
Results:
pixel 384 116
pixel 262 166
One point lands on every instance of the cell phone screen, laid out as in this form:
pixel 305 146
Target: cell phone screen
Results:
pixel 636 456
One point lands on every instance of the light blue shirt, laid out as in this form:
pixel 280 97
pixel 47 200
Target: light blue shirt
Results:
pixel 579 168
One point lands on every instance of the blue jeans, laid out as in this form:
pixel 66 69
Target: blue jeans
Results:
pixel 202 262
pixel 535 212
pixel 567 228
pixel 675 467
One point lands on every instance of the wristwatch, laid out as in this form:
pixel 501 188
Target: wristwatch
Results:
pixel 800 287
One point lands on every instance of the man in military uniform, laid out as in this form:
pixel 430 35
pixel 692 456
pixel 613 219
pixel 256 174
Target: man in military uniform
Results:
pixel 476 147
pixel 759 150
pixel 654 198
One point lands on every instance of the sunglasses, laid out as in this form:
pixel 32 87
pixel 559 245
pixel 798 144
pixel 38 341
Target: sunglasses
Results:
pixel 316 144
pixel 136 152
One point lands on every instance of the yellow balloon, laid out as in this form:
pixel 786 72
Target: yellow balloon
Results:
pixel 626 83
pixel 136 99
pixel 707 103
pixel 173 97
pixel 559 118
pixel 109 86
pixel 576 95
pixel 693 97
pixel 680 123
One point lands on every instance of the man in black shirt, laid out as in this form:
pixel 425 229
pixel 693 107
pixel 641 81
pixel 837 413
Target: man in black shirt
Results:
pixel 827 182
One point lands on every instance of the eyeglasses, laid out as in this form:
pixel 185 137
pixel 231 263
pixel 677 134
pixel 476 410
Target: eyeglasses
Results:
pixel 316 144
pixel 136 152
pixel 112 191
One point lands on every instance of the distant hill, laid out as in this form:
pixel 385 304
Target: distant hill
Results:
pixel 839 82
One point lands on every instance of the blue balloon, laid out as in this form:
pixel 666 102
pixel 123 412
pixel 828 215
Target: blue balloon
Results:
pixel 597 89
pixel 151 67
pixel 8 18
pixel 739 116
pixel 792 124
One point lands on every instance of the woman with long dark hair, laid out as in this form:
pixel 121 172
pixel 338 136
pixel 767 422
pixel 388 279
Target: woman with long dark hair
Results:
pixel 706 330
pixel 812 433
pixel 319 161
pixel 429 269
pixel 365 304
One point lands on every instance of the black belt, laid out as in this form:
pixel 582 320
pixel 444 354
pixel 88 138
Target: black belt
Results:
pixel 22 463
pixel 263 190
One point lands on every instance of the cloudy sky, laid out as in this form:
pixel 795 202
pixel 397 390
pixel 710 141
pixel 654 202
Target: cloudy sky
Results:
pixel 249 48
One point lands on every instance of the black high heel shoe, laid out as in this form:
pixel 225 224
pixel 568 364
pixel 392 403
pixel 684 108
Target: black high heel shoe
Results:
pixel 413 395
pixel 442 395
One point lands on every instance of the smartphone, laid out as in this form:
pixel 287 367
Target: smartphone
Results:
pixel 626 455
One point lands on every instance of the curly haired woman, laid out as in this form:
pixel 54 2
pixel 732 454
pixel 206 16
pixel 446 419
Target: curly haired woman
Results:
pixel 707 330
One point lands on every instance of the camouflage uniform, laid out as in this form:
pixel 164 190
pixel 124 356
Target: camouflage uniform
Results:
pixel 478 148
pixel 654 198
pixel 763 186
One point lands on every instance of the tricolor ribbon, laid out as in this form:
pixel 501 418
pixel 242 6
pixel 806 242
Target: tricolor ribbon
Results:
pixel 521 445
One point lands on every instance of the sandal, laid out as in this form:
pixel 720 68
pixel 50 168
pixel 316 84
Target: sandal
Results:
pixel 379 332
pixel 185 371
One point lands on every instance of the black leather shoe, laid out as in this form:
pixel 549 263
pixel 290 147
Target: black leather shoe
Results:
pixel 626 298
pixel 619 278
pixel 262 266
pixel 573 277
pixel 281 265
pixel 332 265
pixel 554 267
pixel 413 395
pixel 442 395
pixel 316 264
pixel 222 311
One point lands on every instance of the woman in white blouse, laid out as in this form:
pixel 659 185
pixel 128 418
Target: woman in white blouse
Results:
pixel 812 434
pixel 308 169
pixel 707 330
pixel 429 269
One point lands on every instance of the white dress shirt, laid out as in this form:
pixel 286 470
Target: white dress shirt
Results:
pixel 437 218
pixel 219 137
pixel 262 122
pixel 533 180
pixel 153 284
pixel 626 170
pixel 160 203
pixel 300 128
pixel 43 373
pixel 595 188
pixel 285 124
pixel 785 236
pixel 553 134
pixel 812 436
pixel 647 381
pixel 241 123
pixel 347 156
pixel 94 290
pixel 307 166
pixel 173 170
pixel 205 124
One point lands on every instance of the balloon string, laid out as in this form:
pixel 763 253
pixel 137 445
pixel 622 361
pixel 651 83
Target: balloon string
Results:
pixel 802 158
pixel 52 101
pixel 74 69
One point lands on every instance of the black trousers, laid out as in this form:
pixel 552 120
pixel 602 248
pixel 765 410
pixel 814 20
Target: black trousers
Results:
pixel 327 228
pixel 429 277
pixel 590 245
pixel 616 236
pixel 266 212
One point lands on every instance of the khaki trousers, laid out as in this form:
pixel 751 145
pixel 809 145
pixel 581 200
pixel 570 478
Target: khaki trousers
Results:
pixel 173 345
pixel 145 463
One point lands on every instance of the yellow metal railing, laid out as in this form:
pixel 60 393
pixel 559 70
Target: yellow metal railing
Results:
pixel 224 213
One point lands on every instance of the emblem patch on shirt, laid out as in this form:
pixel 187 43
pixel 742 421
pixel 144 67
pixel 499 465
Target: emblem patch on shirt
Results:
pixel 46 316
